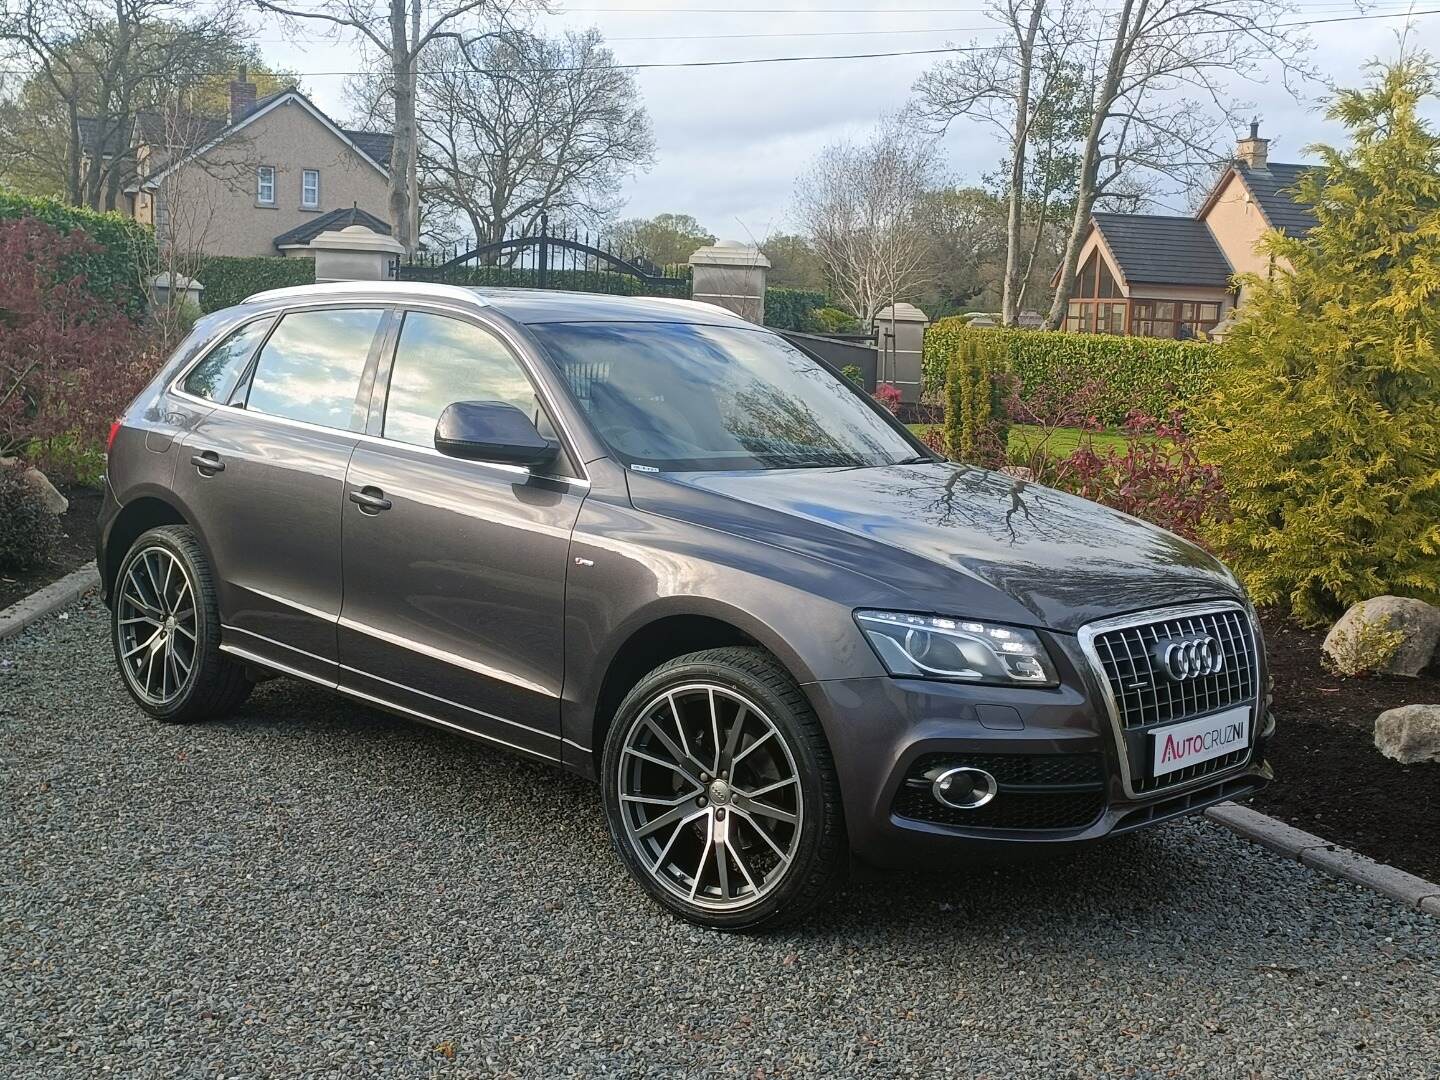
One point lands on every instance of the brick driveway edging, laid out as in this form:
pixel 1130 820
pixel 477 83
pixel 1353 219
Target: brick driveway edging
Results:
pixel 46 601
pixel 1414 892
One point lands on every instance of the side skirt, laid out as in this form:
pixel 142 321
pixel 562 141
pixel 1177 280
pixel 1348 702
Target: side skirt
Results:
pixel 381 703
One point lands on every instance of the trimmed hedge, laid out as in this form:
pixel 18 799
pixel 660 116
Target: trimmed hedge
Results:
pixel 229 279
pixel 1153 375
pixel 118 271
pixel 793 309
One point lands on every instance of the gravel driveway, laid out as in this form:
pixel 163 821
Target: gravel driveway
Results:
pixel 313 889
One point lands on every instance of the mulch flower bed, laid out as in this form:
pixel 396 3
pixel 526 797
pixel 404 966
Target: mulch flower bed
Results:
pixel 1329 778
pixel 76 549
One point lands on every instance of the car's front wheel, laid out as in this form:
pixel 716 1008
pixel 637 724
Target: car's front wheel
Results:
pixel 721 794
pixel 165 627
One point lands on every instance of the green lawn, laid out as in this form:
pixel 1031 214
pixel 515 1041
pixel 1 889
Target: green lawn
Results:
pixel 1023 438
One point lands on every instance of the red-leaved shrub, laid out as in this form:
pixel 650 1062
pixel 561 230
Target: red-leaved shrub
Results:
pixel 69 360
pixel 1158 477
pixel 888 395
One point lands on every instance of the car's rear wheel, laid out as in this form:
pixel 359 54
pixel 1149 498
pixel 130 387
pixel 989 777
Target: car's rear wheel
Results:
pixel 721 794
pixel 165 627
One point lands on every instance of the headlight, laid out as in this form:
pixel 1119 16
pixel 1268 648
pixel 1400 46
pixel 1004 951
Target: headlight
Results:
pixel 935 647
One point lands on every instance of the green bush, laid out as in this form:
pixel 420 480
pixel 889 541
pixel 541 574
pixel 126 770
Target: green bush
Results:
pixel 29 533
pixel 126 256
pixel 975 427
pixel 833 320
pixel 1149 374
pixel 1326 424
pixel 229 279
pixel 854 374
pixel 793 309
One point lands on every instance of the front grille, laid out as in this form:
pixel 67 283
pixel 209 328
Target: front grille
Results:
pixel 1036 791
pixel 1144 695
pixel 1145 784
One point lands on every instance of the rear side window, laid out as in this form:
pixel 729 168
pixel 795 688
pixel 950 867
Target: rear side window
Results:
pixel 440 361
pixel 214 378
pixel 310 368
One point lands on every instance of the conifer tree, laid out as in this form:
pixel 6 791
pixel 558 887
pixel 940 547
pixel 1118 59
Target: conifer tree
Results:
pixel 1326 421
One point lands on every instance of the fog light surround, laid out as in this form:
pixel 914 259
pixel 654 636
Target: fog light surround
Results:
pixel 964 788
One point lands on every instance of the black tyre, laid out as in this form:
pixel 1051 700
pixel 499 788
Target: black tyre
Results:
pixel 165 626
pixel 720 792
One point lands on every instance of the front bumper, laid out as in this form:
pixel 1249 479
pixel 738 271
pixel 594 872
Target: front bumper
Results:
pixel 1053 752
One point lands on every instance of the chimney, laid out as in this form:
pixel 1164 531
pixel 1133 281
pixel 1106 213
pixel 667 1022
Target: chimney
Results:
pixel 242 96
pixel 1254 151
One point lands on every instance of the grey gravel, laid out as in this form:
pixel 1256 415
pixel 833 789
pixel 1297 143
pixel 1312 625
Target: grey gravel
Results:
pixel 313 889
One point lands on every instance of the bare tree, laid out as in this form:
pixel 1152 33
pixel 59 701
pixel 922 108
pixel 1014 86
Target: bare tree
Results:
pixel 1020 89
pixel 861 205
pixel 401 31
pixel 100 65
pixel 519 125
pixel 1158 98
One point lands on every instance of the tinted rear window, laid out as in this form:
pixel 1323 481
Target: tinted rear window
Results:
pixel 310 368
pixel 214 378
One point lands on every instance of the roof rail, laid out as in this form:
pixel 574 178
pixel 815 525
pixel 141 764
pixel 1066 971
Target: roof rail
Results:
pixel 371 288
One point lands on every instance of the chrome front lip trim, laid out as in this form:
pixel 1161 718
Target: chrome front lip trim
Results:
pixel 1090 631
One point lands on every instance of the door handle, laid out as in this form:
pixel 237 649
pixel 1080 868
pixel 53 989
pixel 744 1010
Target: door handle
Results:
pixel 371 500
pixel 208 462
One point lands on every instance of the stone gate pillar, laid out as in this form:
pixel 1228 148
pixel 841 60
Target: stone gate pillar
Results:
pixel 900 345
pixel 355 253
pixel 731 275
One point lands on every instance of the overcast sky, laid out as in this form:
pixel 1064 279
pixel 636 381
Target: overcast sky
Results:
pixel 731 140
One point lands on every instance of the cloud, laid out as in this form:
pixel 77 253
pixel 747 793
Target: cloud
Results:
pixel 731 141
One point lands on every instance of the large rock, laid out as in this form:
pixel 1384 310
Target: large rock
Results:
pixel 38 482
pixel 1409 734
pixel 1418 621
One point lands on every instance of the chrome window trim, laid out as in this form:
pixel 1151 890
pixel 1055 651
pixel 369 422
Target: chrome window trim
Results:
pixel 517 350
pixel 581 482
pixel 1090 631
pixel 177 384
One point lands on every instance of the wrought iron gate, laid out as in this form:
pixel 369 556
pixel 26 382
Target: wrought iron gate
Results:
pixel 546 259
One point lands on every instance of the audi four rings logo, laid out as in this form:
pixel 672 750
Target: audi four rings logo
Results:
pixel 1189 658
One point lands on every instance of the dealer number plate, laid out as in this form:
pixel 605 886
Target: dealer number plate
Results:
pixel 1194 741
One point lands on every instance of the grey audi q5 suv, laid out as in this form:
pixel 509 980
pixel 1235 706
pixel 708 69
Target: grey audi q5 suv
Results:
pixel 667 549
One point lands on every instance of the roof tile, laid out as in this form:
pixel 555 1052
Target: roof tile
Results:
pixel 1163 250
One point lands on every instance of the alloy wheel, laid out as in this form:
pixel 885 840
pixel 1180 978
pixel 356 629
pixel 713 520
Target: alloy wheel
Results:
pixel 710 796
pixel 157 624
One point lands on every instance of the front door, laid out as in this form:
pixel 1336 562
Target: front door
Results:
pixel 263 477
pixel 455 570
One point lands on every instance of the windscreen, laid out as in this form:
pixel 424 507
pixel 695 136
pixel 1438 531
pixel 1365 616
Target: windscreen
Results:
pixel 682 397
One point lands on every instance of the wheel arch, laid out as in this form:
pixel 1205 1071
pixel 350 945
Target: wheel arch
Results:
pixel 664 634
pixel 136 517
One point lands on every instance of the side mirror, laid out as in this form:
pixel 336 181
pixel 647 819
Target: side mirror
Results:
pixel 491 431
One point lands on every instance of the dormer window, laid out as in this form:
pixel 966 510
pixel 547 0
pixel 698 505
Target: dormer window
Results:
pixel 310 189
pixel 265 185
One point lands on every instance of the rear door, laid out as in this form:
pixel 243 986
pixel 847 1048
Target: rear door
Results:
pixel 455 570
pixel 263 477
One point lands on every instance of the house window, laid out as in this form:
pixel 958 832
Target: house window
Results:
pixel 1098 306
pixel 265 185
pixel 162 221
pixel 310 189
pixel 1185 319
